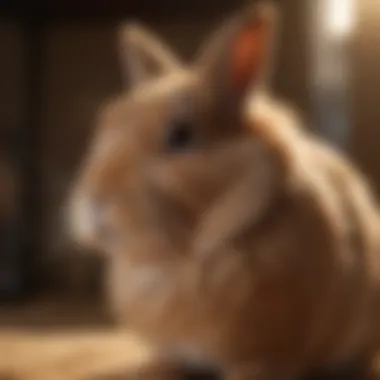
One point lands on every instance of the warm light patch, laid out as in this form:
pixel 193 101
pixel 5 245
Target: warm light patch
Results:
pixel 339 17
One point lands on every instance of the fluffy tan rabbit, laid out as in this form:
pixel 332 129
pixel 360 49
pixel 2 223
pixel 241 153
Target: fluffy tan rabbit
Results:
pixel 236 239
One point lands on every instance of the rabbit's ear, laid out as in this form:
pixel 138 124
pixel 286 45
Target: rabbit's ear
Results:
pixel 238 55
pixel 142 55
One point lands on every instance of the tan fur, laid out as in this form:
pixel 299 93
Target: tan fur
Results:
pixel 255 251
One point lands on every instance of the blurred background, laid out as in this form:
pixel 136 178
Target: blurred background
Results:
pixel 59 62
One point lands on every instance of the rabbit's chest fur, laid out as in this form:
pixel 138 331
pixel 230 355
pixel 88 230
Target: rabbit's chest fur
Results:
pixel 184 309
pixel 146 285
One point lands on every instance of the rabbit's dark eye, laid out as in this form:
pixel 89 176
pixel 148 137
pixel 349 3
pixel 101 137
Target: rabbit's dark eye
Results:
pixel 179 136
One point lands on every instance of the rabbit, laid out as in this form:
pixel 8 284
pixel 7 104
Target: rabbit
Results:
pixel 235 239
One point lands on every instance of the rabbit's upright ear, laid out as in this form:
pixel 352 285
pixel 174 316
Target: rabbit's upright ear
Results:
pixel 238 56
pixel 143 56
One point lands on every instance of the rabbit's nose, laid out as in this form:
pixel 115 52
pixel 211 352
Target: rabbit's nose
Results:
pixel 102 225
pixel 90 220
pixel 98 215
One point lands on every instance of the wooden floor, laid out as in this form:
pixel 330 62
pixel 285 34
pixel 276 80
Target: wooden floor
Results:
pixel 62 341
pixel 59 340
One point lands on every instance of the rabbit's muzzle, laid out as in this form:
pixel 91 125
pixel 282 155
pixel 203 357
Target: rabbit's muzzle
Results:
pixel 89 221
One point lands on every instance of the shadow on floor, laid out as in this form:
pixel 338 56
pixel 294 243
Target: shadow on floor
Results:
pixel 53 314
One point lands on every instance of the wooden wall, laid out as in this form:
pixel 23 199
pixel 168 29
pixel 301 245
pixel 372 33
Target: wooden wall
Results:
pixel 12 121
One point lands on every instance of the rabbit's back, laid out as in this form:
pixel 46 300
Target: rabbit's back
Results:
pixel 337 201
